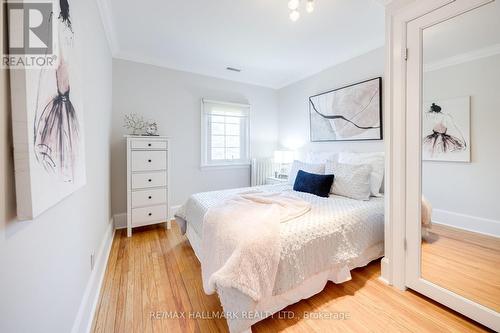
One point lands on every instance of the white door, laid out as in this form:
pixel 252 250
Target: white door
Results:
pixel 452 71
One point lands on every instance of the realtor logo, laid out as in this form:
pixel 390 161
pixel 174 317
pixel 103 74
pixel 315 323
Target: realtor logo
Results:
pixel 30 42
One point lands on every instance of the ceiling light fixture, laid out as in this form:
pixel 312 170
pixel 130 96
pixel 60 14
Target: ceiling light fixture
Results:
pixel 294 15
pixel 310 6
pixel 294 5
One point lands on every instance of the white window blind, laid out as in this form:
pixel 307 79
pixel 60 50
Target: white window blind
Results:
pixel 225 133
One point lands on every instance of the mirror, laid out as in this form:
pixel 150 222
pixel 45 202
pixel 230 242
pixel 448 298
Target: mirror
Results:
pixel 461 155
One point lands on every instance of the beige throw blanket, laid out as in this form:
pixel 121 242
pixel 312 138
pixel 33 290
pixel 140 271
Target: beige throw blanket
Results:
pixel 241 241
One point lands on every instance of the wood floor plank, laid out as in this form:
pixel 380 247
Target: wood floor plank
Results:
pixel 138 316
pixel 156 270
pixel 166 296
pixel 190 277
pixel 123 290
pixel 146 285
pixel 464 265
pixel 107 285
pixel 129 297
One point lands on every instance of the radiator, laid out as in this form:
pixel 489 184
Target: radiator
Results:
pixel 261 169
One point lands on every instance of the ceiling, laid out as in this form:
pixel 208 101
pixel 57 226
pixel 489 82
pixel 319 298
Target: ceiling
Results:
pixel 256 36
pixel 473 34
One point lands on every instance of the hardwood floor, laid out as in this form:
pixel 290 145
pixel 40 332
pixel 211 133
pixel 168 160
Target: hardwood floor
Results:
pixel 464 262
pixel 156 271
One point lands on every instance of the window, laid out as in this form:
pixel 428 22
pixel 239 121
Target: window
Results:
pixel 225 133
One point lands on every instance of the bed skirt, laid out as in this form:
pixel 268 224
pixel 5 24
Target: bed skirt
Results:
pixel 242 312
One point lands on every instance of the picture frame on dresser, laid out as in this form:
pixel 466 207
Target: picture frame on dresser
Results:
pixel 148 199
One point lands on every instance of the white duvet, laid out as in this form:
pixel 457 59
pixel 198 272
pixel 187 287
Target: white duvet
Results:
pixel 241 242
pixel 332 235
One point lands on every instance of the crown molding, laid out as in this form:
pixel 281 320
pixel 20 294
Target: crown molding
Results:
pixel 463 58
pixel 384 2
pixel 157 62
pixel 108 23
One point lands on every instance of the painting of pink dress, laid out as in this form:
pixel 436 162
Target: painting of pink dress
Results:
pixel 446 130
pixel 48 127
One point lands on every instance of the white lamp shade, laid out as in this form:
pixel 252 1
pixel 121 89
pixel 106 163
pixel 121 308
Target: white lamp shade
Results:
pixel 284 156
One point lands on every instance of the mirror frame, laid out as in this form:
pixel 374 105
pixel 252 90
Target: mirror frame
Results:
pixel 413 166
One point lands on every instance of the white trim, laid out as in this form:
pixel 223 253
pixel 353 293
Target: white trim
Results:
pixel 204 138
pixel 398 14
pixel 108 24
pixel 213 101
pixel 88 305
pixel 159 62
pixel 458 59
pixel 174 210
pixel 384 269
pixel 384 2
pixel 466 222
pixel 205 167
pixel 410 141
pixel 120 220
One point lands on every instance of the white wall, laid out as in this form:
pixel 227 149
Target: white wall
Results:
pixel 45 263
pixel 173 98
pixel 294 107
pixel 468 188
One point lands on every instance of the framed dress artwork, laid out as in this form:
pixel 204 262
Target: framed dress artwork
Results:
pixel 446 130
pixel 47 118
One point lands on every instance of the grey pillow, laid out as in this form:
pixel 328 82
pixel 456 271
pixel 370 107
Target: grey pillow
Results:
pixel 307 167
pixel 351 180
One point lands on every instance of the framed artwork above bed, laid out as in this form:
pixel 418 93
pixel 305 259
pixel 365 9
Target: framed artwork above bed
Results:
pixel 350 113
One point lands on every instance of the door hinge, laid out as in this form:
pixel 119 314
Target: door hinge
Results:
pixel 406 53
pixel 405 244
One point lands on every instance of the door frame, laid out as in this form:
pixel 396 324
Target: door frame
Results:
pixel 398 14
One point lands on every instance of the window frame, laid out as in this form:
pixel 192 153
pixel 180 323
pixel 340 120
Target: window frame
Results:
pixel 206 161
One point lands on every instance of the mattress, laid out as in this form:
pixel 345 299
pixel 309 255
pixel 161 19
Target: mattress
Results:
pixel 333 235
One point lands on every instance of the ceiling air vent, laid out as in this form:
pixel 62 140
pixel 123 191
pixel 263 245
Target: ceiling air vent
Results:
pixel 232 69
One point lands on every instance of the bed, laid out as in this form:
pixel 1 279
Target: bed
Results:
pixel 337 235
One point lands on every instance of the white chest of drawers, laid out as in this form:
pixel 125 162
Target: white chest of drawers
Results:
pixel 147 181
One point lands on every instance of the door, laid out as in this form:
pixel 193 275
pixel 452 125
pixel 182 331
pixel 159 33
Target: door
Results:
pixel 452 158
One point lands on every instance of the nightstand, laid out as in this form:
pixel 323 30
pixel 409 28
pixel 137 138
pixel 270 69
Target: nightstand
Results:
pixel 274 180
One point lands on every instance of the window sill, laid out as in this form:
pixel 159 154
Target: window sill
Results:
pixel 224 166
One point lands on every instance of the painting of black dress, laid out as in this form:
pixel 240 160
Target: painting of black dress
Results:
pixel 48 121
pixel 349 113
pixel 446 130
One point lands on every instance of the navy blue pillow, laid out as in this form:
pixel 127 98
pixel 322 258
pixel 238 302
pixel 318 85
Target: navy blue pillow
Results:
pixel 313 183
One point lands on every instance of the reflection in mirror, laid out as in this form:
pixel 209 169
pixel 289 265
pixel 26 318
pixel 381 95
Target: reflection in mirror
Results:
pixel 461 155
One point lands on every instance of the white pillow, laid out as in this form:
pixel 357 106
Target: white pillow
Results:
pixel 320 157
pixel 351 180
pixel 307 167
pixel 376 160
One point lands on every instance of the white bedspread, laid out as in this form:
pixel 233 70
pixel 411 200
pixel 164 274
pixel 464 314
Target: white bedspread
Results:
pixel 241 243
pixel 333 234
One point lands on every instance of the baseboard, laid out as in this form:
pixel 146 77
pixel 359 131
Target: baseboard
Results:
pixel 466 222
pixel 385 271
pixel 86 311
pixel 174 210
pixel 121 219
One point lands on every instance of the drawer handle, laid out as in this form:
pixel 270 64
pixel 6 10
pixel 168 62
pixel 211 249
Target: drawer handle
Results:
pixel 149 145
pixel 150 197
pixel 150 180
pixel 150 214
pixel 149 161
